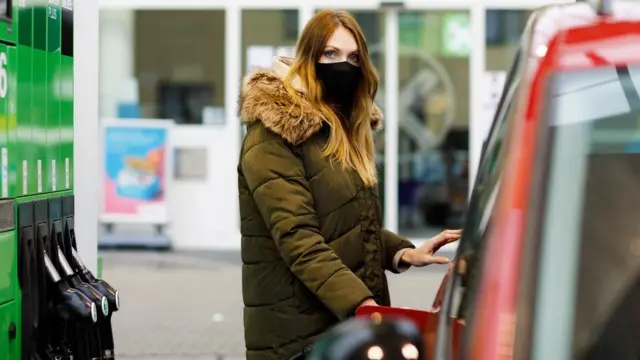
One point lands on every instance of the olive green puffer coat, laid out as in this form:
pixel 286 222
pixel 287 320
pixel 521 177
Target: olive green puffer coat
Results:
pixel 312 245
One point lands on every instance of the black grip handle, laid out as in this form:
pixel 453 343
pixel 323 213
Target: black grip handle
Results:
pixel 112 295
pixel 79 305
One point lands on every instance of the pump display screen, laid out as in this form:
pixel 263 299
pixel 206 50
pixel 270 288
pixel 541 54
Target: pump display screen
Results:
pixel 67 28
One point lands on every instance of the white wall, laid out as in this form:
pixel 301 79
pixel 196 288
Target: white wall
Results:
pixel 116 58
pixel 201 213
pixel 86 168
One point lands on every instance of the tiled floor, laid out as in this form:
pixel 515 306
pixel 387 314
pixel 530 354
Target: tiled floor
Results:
pixel 189 306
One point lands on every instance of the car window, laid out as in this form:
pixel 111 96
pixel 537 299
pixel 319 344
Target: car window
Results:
pixel 588 289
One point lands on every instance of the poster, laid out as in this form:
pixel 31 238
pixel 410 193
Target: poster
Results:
pixel 136 171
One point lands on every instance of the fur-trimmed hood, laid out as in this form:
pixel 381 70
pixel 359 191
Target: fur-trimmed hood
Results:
pixel 263 97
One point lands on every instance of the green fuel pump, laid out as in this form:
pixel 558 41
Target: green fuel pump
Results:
pixel 51 305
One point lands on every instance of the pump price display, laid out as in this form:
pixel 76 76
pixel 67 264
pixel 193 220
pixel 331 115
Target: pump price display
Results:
pixel 53 10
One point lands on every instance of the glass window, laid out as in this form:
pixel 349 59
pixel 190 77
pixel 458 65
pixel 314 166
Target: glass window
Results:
pixel 260 47
pixel 591 215
pixel 433 120
pixel 180 64
pixel 503 31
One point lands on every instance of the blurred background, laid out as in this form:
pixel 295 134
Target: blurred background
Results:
pixel 170 74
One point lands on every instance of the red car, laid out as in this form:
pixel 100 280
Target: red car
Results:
pixel 549 264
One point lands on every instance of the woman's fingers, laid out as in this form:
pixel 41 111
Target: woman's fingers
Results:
pixel 425 259
pixel 445 237
pixel 440 260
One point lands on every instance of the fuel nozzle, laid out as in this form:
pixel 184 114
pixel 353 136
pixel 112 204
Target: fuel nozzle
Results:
pixel 112 295
pixel 86 289
pixel 73 302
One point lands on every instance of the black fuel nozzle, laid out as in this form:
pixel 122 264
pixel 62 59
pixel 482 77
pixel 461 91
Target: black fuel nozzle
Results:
pixel 112 295
pixel 85 288
pixel 73 302
pixel 69 249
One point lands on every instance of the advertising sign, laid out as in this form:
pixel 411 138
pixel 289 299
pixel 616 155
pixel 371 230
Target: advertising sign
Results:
pixel 456 34
pixel 137 159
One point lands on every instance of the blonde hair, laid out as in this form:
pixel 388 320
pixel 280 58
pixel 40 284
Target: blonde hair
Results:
pixel 350 146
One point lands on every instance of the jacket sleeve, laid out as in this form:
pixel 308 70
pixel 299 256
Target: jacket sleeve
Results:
pixel 276 177
pixel 394 246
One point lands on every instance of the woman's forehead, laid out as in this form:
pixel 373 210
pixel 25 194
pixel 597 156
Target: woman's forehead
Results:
pixel 343 40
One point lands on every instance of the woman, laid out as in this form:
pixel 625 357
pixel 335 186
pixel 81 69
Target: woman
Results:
pixel 312 246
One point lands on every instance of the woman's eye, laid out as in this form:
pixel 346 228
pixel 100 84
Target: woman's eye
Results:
pixel 354 58
pixel 330 54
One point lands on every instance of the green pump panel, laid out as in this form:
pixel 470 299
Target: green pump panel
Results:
pixel 39 101
pixel 53 95
pixel 66 94
pixel 24 146
pixel 39 262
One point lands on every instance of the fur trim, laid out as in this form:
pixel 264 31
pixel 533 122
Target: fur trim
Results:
pixel 264 98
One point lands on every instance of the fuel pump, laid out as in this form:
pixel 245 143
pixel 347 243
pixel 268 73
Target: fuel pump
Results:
pixel 53 307
pixel 67 311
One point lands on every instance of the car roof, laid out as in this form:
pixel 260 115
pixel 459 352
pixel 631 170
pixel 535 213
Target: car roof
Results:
pixel 548 21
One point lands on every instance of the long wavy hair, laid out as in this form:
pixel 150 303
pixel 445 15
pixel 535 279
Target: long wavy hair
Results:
pixel 351 141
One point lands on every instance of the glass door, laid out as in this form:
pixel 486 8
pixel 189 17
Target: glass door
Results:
pixel 433 119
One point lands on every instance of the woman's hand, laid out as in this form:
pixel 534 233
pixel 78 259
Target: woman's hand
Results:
pixel 368 302
pixel 424 255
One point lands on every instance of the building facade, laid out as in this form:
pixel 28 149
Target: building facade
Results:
pixel 441 63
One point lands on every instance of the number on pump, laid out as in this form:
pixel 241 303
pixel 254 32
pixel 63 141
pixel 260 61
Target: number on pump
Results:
pixel 4 81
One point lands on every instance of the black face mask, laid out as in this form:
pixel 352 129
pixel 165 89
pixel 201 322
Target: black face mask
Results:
pixel 340 82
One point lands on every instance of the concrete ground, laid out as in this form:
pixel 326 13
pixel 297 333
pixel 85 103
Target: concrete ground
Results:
pixel 189 306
